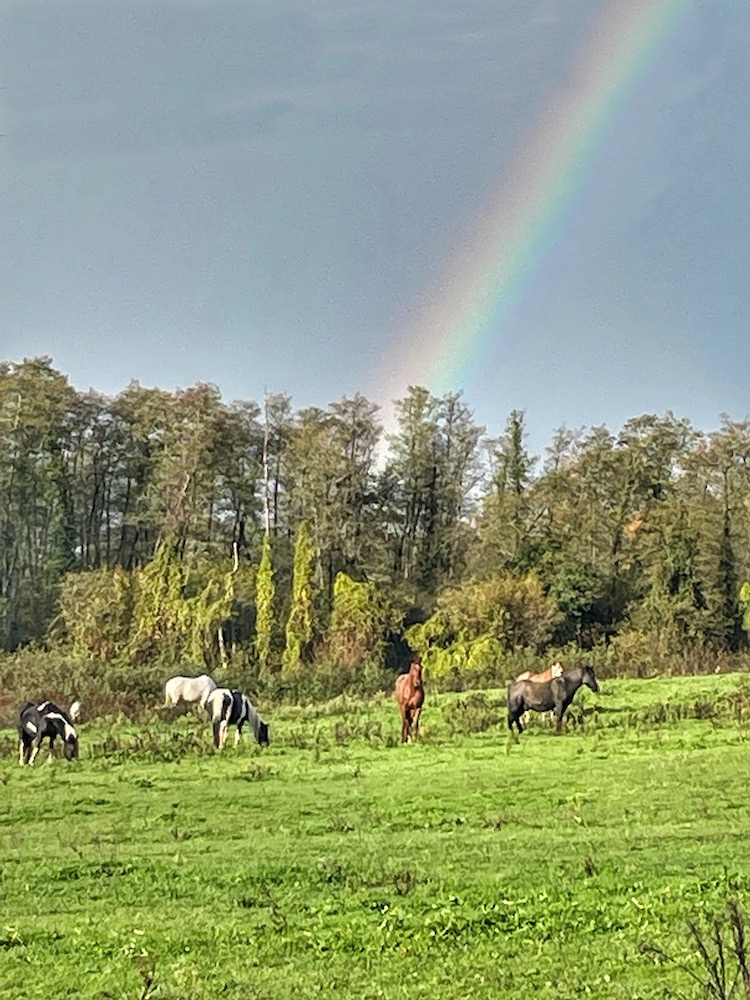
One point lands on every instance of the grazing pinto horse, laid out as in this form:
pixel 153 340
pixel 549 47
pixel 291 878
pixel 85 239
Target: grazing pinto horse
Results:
pixel 189 689
pixel 44 722
pixel 555 694
pixel 410 698
pixel 233 708
pixel 546 675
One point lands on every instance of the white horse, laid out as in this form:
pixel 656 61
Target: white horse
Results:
pixel 190 689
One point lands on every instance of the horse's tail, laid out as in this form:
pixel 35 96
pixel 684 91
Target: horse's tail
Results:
pixel 218 725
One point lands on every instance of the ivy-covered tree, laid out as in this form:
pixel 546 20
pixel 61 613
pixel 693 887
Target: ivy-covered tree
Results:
pixel 356 634
pixel 301 623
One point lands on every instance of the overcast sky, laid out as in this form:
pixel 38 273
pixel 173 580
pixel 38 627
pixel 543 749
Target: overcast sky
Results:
pixel 257 193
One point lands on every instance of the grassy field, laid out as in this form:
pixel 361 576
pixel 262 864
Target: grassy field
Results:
pixel 339 860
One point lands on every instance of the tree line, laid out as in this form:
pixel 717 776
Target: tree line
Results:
pixel 174 525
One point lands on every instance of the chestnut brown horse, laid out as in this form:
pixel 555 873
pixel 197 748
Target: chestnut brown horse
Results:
pixel 410 698
pixel 545 675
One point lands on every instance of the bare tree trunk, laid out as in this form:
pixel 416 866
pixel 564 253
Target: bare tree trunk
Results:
pixel 266 491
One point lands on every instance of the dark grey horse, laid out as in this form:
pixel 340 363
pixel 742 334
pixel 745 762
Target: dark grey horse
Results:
pixel 554 695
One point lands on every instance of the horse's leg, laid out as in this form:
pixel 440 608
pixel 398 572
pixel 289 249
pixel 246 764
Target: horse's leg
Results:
pixel 516 708
pixel 415 722
pixel 22 753
pixel 560 707
pixel 50 755
pixel 237 735
pixel 223 732
pixel 405 725
pixel 34 751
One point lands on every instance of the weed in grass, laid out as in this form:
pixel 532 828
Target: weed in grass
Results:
pixel 722 952
pixel 276 915
pixel 177 832
pixel 589 866
pixel 256 771
pixel 404 881
pixel 495 820
pixel 11 938
pixel 476 713
pixel 339 823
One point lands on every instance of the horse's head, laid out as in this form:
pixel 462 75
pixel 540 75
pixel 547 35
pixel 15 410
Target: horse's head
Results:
pixel 415 670
pixel 589 677
pixel 556 670
pixel 70 747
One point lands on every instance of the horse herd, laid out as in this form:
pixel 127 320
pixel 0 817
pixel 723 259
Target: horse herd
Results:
pixel 551 690
pixel 226 707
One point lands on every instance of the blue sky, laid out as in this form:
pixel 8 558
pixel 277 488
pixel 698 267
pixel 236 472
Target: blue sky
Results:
pixel 256 194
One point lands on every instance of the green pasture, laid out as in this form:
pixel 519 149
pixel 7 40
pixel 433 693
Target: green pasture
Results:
pixel 338 861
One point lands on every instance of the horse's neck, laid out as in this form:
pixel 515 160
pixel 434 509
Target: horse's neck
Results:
pixel 574 679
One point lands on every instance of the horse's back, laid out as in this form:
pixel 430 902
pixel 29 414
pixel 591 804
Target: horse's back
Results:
pixel 216 701
pixel 173 689
pixel 542 676
pixel 28 719
pixel 189 688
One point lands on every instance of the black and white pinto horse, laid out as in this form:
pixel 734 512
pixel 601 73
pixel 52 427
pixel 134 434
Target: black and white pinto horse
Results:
pixel 233 708
pixel 553 695
pixel 44 722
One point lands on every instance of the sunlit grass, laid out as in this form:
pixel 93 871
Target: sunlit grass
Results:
pixel 339 860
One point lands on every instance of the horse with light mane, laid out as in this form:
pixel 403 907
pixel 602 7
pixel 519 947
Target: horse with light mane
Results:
pixel 545 675
pixel 541 678
pixel 555 694
pixel 410 697
pixel 188 689
pixel 233 708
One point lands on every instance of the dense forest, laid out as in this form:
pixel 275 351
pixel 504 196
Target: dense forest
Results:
pixel 171 527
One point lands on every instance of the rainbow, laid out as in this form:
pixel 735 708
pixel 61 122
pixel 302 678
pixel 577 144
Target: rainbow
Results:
pixel 483 278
